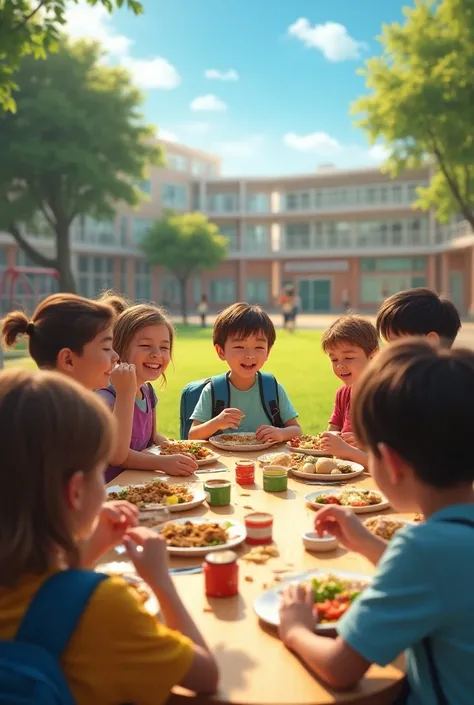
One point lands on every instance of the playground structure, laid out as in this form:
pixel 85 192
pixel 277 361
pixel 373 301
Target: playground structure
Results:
pixel 25 287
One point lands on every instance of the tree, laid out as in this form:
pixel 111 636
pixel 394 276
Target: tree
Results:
pixel 183 244
pixel 32 27
pixel 75 146
pixel 421 101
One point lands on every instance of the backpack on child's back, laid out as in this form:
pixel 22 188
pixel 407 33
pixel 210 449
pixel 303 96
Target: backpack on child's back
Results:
pixel 30 668
pixel 220 391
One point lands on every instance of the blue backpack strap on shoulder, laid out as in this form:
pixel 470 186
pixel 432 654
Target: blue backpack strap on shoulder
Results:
pixel 220 392
pixel 64 596
pixel 270 398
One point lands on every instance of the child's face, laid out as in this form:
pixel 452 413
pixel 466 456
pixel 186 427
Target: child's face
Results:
pixel 86 494
pixel 92 368
pixel 245 356
pixel 348 361
pixel 150 352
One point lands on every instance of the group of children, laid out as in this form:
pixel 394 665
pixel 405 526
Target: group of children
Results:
pixel 403 412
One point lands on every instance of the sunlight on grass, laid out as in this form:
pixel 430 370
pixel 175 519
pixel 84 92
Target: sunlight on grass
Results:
pixel 297 361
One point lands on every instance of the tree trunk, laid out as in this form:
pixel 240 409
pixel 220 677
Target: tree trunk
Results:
pixel 63 249
pixel 184 303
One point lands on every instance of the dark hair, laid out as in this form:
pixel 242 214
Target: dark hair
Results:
pixel 242 320
pixel 111 298
pixel 419 400
pixel 419 312
pixel 50 428
pixel 60 321
pixel 351 329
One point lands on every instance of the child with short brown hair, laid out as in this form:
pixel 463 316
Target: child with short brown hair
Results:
pixel 350 342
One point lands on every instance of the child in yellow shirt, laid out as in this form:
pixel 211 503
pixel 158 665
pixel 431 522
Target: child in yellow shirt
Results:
pixel 53 519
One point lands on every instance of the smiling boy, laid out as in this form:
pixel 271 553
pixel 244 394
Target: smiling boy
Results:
pixel 243 337
pixel 350 342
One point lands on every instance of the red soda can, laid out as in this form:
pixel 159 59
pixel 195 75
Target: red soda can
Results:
pixel 221 574
pixel 245 472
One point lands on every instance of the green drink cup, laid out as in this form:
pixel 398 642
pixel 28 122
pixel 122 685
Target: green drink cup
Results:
pixel 217 492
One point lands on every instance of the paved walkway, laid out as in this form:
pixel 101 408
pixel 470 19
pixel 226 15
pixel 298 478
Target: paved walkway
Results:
pixel 320 321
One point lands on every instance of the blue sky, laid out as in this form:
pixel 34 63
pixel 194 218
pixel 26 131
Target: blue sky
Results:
pixel 266 84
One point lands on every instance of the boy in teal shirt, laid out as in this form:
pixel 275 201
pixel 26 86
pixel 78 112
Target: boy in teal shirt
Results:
pixel 243 337
pixel 413 412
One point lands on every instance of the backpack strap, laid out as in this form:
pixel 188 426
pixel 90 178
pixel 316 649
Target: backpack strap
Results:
pixel 63 596
pixel 220 393
pixel 269 397
pixel 152 395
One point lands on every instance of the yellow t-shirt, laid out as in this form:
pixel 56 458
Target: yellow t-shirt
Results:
pixel 119 653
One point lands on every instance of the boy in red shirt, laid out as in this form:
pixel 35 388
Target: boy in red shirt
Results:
pixel 351 341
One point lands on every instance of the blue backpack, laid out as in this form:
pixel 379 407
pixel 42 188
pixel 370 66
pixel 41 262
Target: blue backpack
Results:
pixel 30 668
pixel 220 391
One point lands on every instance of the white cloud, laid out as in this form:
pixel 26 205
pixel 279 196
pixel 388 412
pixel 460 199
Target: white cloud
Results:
pixel 197 128
pixel 152 73
pixel 240 148
pixel 316 142
pixel 167 135
pixel 208 103
pixel 216 75
pixel 332 39
pixel 379 153
pixel 94 22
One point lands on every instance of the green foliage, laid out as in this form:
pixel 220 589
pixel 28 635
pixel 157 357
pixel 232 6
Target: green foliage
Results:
pixel 74 147
pixel 421 101
pixel 183 244
pixel 32 28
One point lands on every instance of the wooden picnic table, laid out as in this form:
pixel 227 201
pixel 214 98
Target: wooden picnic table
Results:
pixel 255 667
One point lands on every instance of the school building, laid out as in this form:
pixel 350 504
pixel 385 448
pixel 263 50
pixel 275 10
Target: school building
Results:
pixel 341 236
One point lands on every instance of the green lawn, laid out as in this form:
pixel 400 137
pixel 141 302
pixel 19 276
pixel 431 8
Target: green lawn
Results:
pixel 296 361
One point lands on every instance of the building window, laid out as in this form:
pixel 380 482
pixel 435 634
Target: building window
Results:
pixel 412 192
pixel 124 230
pixel 174 196
pixel 256 238
pixel 375 288
pixel 177 162
pixel 258 203
pixel 223 202
pixel 393 264
pixel 145 186
pixel 170 291
pixel 96 274
pixel 95 231
pixel 299 200
pixel 142 281
pixel 257 291
pixel 297 236
pixel 222 291
pixel 197 289
pixel 140 228
pixel 229 232
pixel 123 277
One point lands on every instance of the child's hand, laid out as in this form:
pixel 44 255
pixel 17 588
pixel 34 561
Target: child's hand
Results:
pixel 124 379
pixel 115 519
pixel 269 434
pixel 181 464
pixel 229 418
pixel 350 439
pixel 342 523
pixel 333 443
pixel 296 611
pixel 151 562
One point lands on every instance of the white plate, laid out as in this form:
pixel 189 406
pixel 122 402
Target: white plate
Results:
pixel 357 469
pixel 309 451
pixel 127 572
pixel 357 510
pixel 236 533
pixel 236 447
pixel 199 496
pixel 267 605
pixel 214 457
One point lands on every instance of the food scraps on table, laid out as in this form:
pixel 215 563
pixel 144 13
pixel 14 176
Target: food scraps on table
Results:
pixel 350 497
pixel 195 535
pixel 153 493
pixel 261 554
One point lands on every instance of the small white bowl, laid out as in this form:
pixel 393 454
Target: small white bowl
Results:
pixel 314 543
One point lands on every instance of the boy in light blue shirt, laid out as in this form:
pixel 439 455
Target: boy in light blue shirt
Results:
pixel 413 411
pixel 243 337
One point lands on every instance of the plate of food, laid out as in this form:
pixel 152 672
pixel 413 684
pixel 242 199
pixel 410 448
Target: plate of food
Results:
pixel 311 445
pixel 157 493
pixel 238 442
pixel 333 594
pixel 386 527
pixel 309 467
pixel 201 454
pixel 361 500
pixel 200 535
pixel 143 592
